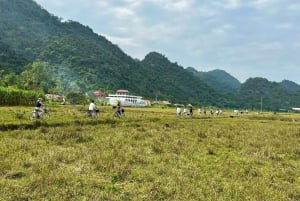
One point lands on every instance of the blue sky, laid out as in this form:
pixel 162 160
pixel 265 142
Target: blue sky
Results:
pixel 246 38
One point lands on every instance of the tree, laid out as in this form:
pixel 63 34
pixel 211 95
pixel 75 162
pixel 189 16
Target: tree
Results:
pixel 37 76
pixel 75 97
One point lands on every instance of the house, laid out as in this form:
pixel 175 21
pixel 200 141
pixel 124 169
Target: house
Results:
pixel 99 94
pixel 54 96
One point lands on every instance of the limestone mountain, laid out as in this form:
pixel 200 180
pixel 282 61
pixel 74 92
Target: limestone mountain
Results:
pixel 84 60
pixel 219 80
pixel 257 91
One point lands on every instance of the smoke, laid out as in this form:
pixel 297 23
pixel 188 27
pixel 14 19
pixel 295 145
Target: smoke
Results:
pixel 66 78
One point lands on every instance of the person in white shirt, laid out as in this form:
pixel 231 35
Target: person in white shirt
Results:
pixel 178 111
pixel 92 107
pixel 185 111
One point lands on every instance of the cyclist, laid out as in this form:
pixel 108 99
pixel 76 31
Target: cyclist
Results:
pixel 119 111
pixel 92 108
pixel 38 105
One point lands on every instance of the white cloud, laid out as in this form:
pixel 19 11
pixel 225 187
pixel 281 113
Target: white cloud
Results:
pixel 261 4
pixel 181 5
pixel 123 13
pixel 294 7
pixel 283 26
pixel 223 29
pixel 272 46
pixel 232 4
pixel 227 4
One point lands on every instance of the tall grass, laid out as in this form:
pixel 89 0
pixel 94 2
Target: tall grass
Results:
pixel 12 96
pixel 151 155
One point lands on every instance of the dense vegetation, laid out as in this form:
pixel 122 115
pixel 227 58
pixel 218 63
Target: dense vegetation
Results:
pixel 13 96
pixel 219 80
pixel 39 51
pixel 148 155
pixel 272 95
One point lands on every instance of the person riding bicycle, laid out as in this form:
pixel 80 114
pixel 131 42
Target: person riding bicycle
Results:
pixel 119 110
pixel 92 107
pixel 38 105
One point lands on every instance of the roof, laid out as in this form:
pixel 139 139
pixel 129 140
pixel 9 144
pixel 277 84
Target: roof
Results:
pixel 122 91
pixel 99 93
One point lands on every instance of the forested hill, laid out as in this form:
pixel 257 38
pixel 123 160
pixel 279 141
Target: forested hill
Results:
pixel 164 77
pixel 40 51
pixel 290 87
pixel 219 80
pixel 79 59
pixel 273 95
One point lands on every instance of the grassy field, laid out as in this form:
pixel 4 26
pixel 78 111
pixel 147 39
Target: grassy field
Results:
pixel 148 155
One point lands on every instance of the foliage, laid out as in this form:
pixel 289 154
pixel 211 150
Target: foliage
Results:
pixel 6 80
pixel 290 87
pixel 257 91
pixel 10 61
pixel 13 96
pixel 174 83
pixel 76 97
pixel 37 76
pixel 219 80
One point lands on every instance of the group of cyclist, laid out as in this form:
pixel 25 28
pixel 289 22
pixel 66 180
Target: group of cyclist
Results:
pixel 92 109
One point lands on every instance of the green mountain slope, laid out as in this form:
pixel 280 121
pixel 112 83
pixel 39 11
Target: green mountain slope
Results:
pixel 24 26
pixel 290 87
pixel 10 61
pixel 165 77
pixel 219 80
pixel 271 94
pixel 86 61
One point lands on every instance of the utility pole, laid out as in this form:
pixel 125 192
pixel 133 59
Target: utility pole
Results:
pixel 261 104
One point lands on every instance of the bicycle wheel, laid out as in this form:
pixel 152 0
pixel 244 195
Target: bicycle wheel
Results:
pixel 96 114
pixel 117 114
pixel 88 114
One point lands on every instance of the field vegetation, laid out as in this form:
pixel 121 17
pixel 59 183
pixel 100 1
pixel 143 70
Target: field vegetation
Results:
pixel 150 154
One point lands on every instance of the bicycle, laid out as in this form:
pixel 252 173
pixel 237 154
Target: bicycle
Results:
pixel 42 114
pixel 93 114
pixel 119 114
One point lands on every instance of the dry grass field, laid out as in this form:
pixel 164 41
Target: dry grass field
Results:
pixel 150 154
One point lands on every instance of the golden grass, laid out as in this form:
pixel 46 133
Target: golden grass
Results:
pixel 149 155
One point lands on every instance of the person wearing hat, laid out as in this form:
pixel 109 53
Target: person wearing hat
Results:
pixel 38 105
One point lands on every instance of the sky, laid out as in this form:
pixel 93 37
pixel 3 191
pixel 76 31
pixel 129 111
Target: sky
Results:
pixel 246 38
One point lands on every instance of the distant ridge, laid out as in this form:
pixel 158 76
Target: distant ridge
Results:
pixel 219 80
pixel 290 86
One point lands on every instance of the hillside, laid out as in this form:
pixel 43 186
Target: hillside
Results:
pixel 10 61
pixel 77 59
pixel 165 77
pixel 25 26
pixel 82 57
pixel 219 80
pixel 272 95
pixel 290 87
pixel 83 60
